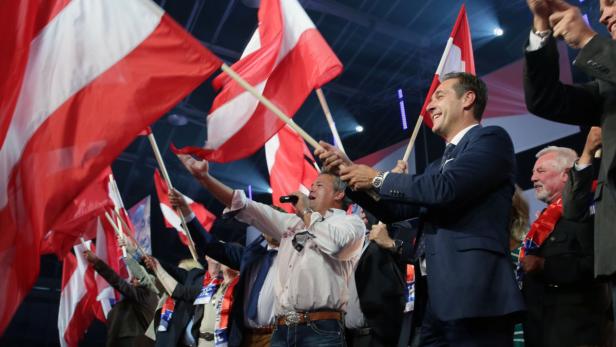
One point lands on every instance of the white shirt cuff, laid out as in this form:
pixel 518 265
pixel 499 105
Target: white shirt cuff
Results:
pixel 580 167
pixel 536 42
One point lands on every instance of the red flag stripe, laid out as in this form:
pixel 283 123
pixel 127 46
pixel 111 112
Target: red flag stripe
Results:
pixel 237 124
pixel 44 168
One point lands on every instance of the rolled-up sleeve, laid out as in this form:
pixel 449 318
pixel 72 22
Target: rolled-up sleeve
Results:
pixel 263 217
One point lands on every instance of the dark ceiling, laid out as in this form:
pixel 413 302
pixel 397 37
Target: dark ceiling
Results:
pixel 384 45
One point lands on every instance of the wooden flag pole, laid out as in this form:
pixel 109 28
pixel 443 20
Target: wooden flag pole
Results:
pixel 330 119
pixel 270 106
pixel 143 253
pixel 163 170
pixel 411 144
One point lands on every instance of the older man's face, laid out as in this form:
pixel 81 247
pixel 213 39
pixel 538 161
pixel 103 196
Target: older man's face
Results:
pixel 608 16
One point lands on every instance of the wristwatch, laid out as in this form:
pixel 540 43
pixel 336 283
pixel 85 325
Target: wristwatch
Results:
pixel 377 181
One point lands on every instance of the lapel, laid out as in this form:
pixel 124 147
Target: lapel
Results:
pixel 252 252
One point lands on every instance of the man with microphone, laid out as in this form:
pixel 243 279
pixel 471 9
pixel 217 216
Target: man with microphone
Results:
pixel 319 246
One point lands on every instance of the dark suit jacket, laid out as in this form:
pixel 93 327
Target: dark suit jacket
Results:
pixel 380 288
pixel 593 103
pixel 189 284
pixel 132 315
pixel 566 306
pixel 236 257
pixel 464 215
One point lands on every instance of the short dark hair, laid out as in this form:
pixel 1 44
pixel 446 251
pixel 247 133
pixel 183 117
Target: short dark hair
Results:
pixel 468 82
pixel 339 186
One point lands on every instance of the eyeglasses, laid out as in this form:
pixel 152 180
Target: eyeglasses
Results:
pixel 300 239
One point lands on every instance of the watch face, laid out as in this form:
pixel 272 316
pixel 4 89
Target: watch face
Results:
pixel 377 182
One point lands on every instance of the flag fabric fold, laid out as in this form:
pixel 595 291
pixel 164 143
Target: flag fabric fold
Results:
pixel 97 73
pixel 457 57
pixel 290 165
pixel 285 60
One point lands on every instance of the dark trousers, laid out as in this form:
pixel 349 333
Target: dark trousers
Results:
pixel 358 338
pixel 315 333
pixel 468 332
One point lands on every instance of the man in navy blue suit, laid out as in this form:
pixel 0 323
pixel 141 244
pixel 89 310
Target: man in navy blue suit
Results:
pixel 463 202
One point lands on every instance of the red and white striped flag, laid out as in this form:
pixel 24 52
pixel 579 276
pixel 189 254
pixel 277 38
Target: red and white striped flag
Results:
pixel 290 165
pixel 77 299
pixel 457 57
pixel 172 219
pixel 285 60
pixel 79 218
pixel 96 74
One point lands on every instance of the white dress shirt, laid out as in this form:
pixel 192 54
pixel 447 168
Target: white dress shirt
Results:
pixel 315 278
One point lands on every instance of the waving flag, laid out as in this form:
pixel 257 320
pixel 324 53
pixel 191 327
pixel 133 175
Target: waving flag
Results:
pixel 172 220
pixel 286 59
pixel 290 165
pixel 96 74
pixel 77 299
pixel 458 57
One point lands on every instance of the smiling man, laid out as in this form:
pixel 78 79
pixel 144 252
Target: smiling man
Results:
pixel 463 202
pixel 319 246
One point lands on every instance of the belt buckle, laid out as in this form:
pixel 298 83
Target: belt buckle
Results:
pixel 292 318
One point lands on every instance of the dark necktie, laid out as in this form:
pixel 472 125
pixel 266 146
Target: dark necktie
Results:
pixel 447 154
pixel 253 300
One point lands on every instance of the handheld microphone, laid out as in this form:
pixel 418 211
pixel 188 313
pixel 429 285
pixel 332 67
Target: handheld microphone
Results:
pixel 288 198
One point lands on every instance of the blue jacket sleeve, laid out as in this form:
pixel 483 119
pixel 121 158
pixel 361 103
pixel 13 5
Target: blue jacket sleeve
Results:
pixel 229 254
pixel 486 162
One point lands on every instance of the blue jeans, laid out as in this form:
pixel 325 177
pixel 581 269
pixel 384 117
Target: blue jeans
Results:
pixel 322 333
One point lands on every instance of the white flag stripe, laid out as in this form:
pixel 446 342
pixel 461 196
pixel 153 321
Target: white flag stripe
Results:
pixel 68 55
pixel 228 119
pixel 73 292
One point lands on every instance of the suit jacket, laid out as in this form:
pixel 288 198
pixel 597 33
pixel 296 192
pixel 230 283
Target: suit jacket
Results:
pixel 131 316
pixel 566 305
pixel 464 212
pixel 237 257
pixel 589 104
pixel 184 295
pixel 380 288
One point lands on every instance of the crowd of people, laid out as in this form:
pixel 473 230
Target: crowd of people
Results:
pixel 428 261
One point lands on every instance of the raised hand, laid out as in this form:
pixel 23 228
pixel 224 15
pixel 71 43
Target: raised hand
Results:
pixel 358 177
pixel 541 10
pixel 593 144
pixel 177 201
pixel 567 22
pixel 401 167
pixel 331 157
pixel 197 168
pixel 90 256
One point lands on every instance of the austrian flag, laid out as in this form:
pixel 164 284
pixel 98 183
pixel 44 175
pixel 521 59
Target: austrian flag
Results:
pixel 89 76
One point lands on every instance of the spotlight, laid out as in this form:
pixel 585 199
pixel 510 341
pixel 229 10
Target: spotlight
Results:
pixel 359 128
pixel 498 32
pixel 269 190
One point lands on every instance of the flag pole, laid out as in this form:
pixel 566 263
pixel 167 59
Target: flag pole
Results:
pixel 330 119
pixel 137 244
pixel 270 106
pixel 439 71
pixel 163 170
pixel 411 144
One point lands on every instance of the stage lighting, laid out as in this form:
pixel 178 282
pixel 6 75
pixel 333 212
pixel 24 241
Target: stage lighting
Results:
pixel 359 128
pixel 498 32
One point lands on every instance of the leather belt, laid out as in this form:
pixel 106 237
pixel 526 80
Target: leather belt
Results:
pixel 266 330
pixel 206 336
pixel 297 318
